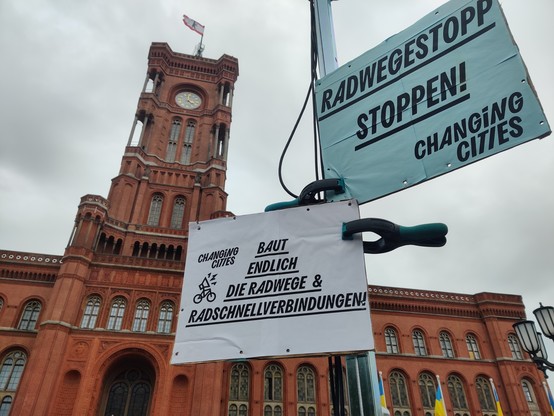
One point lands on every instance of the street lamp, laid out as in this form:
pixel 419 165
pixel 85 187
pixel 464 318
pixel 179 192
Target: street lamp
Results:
pixel 545 318
pixel 532 341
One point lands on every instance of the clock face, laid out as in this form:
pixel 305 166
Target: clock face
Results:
pixel 188 100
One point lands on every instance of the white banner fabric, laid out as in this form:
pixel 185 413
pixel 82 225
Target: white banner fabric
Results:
pixel 281 283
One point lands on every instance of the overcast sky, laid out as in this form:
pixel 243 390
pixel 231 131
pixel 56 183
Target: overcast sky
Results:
pixel 72 72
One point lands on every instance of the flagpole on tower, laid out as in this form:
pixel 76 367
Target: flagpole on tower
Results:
pixel 200 47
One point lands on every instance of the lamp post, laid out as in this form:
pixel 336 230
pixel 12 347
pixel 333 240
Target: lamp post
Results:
pixel 532 341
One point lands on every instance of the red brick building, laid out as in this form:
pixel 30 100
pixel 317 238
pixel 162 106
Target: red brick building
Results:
pixel 91 332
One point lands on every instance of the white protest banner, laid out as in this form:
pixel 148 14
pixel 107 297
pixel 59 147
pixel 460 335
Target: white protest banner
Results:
pixel 448 91
pixel 280 283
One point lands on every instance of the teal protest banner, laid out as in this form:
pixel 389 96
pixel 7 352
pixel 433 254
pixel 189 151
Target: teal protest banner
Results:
pixel 446 92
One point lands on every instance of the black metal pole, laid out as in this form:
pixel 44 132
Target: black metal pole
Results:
pixel 340 385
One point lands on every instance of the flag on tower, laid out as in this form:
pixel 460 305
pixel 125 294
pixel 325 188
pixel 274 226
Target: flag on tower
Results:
pixel 440 408
pixel 496 399
pixel 193 24
pixel 550 398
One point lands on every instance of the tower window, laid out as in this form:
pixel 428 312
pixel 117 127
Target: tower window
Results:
pixel 116 314
pixel 30 316
pixel 155 210
pixel 173 138
pixel 225 94
pixel 91 312
pixel 178 212
pixel 187 143
pixel 141 315
pixel 166 317
pixel 221 142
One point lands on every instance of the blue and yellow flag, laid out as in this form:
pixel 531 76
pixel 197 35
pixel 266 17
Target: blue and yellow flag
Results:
pixel 550 398
pixel 382 391
pixel 497 401
pixel 440 408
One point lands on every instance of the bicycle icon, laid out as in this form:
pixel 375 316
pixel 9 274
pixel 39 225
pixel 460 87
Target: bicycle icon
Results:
pixel 205 290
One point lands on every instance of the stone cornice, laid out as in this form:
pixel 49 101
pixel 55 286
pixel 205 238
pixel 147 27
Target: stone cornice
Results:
pixel 36 259
pixel 480 305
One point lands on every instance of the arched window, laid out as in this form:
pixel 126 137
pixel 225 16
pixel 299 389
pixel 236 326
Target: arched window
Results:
pixel 225 96
pixel 187 142
pixel 457 393
pixel 161 252
pixel 399 393
pixel 427 390
pixel 530 397
pixel 173 139
pixel 5 405
pixel 116 314
pixel 305 383
pixel 239 390
pixel 30 315
pixel 11 371
pixel 91 312
pixel 129 394
pixel 485 396
pixel 178 253
pixel 166 317
pixel 273 390
pixel 472 347
pixel 221 133
pixel 155 210
pixel 446 345
pixel 391 340
pixel 141 315
pixel 515 348
pixel 178 212
pixel 144 250
pixel 419 343
pixel 136 249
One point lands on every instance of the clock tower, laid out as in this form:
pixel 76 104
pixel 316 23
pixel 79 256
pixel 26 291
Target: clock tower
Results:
pixel 174 167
